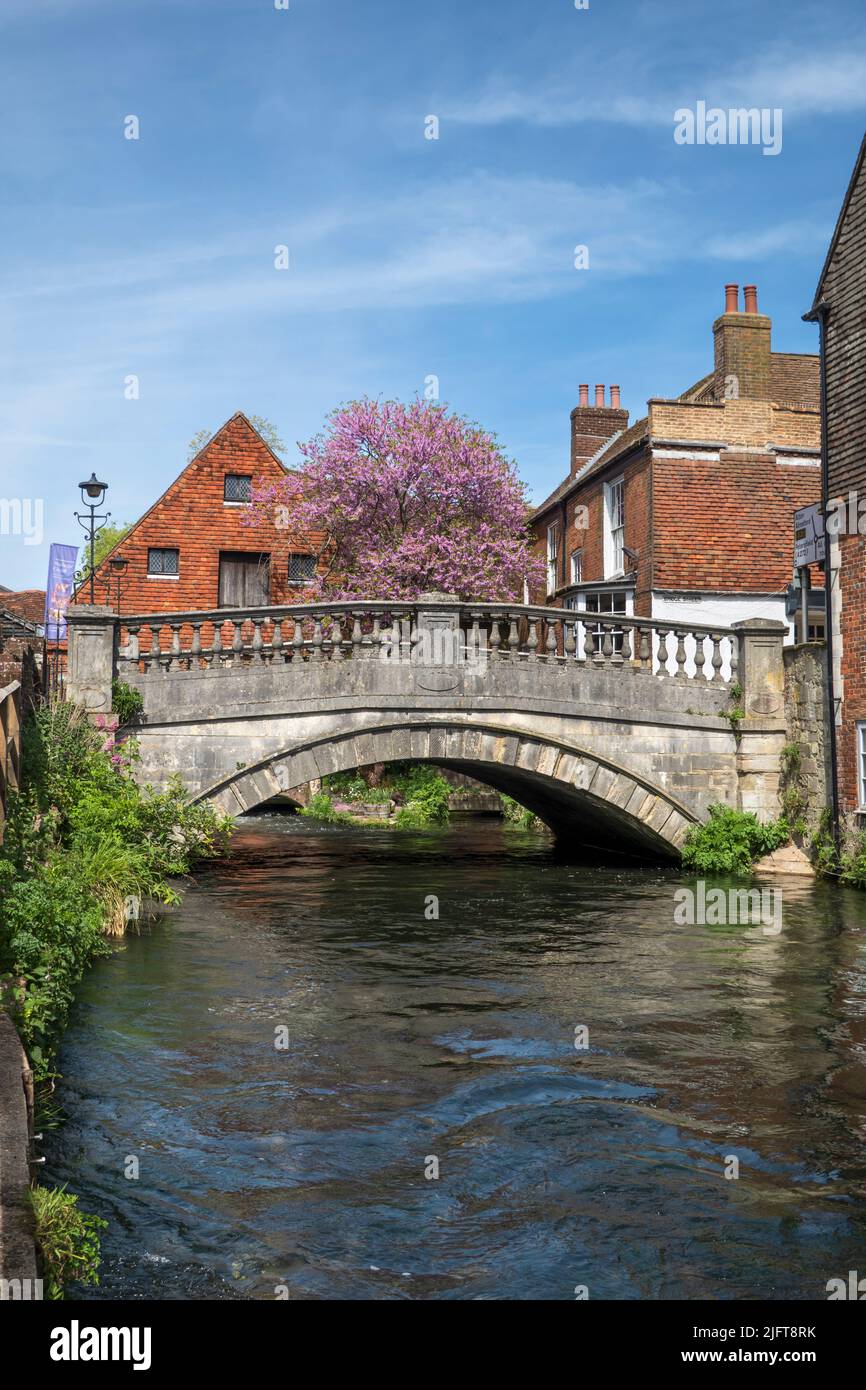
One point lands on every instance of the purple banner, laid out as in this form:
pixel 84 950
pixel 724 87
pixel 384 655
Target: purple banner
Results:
pixel 61 575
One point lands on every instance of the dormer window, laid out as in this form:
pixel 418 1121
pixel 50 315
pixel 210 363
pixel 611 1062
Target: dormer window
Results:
pixel 238 487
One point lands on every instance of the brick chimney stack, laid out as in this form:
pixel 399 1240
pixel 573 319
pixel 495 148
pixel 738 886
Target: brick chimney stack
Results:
pixel 742 348
pixel 593 425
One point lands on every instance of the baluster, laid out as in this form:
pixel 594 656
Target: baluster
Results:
pixel 357 635
pixel 569 645
pixel 735 658
pixel 174 657
pixel 316 653
pixel 621 654
pixel 297 638
pixel 606 642
pixel 277 640
pixel 645 647
pixel 681 653
pixel 387 638
pixel 374 640
pixel 217 643
pixel 195 648
pixel 163 657
pixel 147 657
pixel 132 647
pixel 513 640
pixel 494 639
pixel 237 642
pixel 532 640
pixel 258 644
pixel 550 645
pixel 337 653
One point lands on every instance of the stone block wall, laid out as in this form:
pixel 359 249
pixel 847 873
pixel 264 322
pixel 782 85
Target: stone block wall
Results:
pixel 808 719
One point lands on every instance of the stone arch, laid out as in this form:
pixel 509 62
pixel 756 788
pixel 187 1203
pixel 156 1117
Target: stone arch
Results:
pixel 583 798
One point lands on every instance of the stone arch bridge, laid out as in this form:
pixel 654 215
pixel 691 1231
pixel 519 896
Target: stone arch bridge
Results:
pixel 614 730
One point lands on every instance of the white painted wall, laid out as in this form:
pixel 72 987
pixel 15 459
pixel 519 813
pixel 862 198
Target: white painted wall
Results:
pixel 724 609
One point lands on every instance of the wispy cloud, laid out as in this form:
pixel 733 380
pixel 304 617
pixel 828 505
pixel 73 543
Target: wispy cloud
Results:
pixel 804 82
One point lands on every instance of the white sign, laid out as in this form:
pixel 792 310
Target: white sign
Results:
pixel 809 542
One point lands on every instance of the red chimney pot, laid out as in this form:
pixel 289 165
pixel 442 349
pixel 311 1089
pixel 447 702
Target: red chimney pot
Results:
pixel 584 394
pixel 614 398
pixel 732 299
pixel 599 395
pixel 751 296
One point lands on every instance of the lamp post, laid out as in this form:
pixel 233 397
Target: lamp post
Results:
pixel 118 565
pixel 92 493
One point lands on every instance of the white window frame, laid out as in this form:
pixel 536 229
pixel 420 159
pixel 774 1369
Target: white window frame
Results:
pixel 614 528
pixel 576 564
pixel 552 556
pixel 861 764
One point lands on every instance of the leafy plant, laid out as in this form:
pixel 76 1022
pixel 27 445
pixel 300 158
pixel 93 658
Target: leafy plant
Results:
pixel 515 814
pixel 730 841
pixel 824 850
pixel 853 865
pixel 83 844
pixel 321 807
pixel 68 1239
pixel 424 793
pixel 126 702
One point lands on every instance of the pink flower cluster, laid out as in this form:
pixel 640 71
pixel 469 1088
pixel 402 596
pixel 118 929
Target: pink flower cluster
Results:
pixel 405 499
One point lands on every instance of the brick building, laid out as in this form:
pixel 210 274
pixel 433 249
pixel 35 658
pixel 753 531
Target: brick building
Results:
pixel 839 308
pixel 688 513
pixel 193 549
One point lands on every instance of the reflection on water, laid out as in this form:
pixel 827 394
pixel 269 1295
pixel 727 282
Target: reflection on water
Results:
pixel 412 1038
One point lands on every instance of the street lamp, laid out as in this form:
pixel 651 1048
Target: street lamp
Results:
pixel 118 565
pixel 92 493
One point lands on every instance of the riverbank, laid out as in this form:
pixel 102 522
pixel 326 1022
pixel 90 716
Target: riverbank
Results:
pixel 18 1260
pixel 85 850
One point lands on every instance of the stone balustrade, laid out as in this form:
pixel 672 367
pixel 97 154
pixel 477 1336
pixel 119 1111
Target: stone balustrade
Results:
pixel 435 632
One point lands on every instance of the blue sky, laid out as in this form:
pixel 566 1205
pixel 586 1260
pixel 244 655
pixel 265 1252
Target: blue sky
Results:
pixel 409 257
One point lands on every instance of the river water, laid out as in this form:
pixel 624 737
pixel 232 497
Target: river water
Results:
pixel 302 1169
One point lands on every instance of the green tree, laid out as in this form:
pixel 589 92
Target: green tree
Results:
pixel 108 538
pixel 269 432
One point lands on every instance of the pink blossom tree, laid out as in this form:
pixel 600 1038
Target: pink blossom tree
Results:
pixel 398 500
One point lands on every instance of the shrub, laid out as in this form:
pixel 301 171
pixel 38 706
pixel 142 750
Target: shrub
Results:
pixel 730 841
pixel 83 844
pixel 126 703
pixel 518 815
pixel 853 865
pixel 424 793
pixel 68 1239
pixel 321 807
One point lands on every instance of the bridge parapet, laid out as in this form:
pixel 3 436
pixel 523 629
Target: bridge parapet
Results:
pixel 438 631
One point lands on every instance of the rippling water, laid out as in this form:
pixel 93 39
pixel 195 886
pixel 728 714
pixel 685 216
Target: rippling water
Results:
pixel 454 1038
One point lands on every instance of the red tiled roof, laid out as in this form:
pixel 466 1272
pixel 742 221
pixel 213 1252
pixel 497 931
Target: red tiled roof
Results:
pixel 26 603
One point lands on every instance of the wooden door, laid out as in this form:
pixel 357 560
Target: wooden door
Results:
pixel 245 580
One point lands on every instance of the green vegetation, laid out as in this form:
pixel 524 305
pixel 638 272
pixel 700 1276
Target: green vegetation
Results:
pixel 126 703
pixel 419 791
pixel 730 841
pixel 518 815
pixel 68 1239
pixel 106 540
pixel 852 869
pixel 424 793
pixel 269 432
pixel 351 786
pixel 321 807
pixel 85 848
